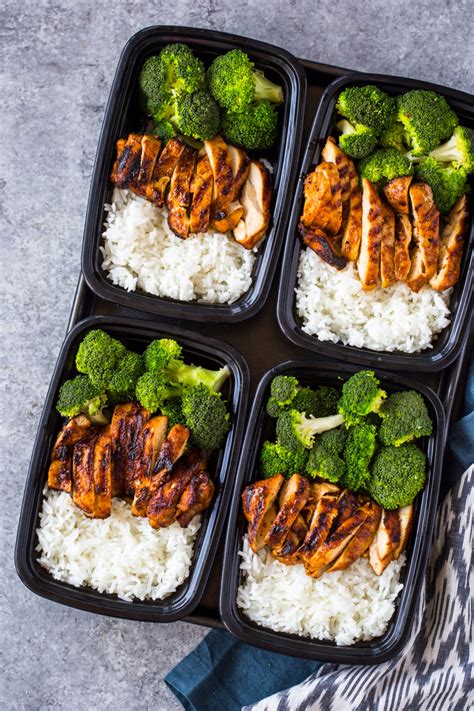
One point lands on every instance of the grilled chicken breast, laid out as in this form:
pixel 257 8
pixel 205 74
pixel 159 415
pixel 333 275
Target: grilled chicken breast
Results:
pixel 372 225
pixel 387 248
pixel 127 423
pixel 60 470
pixel 196 497
pixel 151 146
pixel 126 170
pixel 170 492
pixel 258 501
pixel 385 541
pixel 331 153
pixel 152 437
pixel 323 203
pixel 220 160
pixel 201 189
pixel 396 192
pixel 179 195
pixel 120 146
pixel 451 247
pixel 83 475
pixel 352 233
pixel 405 515
pixel 293 497
pixel 240 169
pixel 416 278
pixel 255 198
pixel 324 246
pixel 164 167
pixel 402 247
pixel 425 226
pixel 359 543
pixel 171 450
pixel 102 474
pixel 320 525
pixel 288 553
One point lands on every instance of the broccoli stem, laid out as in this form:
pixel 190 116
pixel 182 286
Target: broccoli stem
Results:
pixel 266 89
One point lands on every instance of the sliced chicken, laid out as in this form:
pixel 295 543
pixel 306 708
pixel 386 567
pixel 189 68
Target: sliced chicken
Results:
pixel 372 225
pixel 346 506
pixel 352 234
pixel 170 492
pixel 228 214
pixel 331 153
pixel 201 189
pixel 220 160
pixel 164 167
pixel 361 541
pixel 258 501
pixel 196 497
pixel 171 450
pixel 151 146
pixel 83 475
pixel 60 470
pixel 255 198
pixel 396 192
pixel 102 474
pixel 127 423
pixel 293 497
pixel 387 248
pixel 321 488
pixel 323 245
pixel 120 146
pixel 240 169
pixel 179 195
pixel 126 170
pixel 406 515
pixel 451 247
pixel 323 203
pixel 288 553
pixel 385 541
pixel 320 525
pixel 416 278
pixel 152 437
pixel 425 226
pixel 402 247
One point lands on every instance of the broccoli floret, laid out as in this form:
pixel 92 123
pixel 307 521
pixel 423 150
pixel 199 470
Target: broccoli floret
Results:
pixel 361 395
pixel 284 389
pixel 274 408
pixel 80 395
pixel 318 403
pixel 161 352
pixel 255 127
pixel 152 390
pixel 275 459
pixel 427 119
pixel 404 417
pixel 173 410
pixel 356 141
pixel 368 106
pixel 324 458
pixel 394 137
pixel 98 355
pixel 384 165
pixel 358 451
pixel 235 84
pixel 197 115
pixel 447 183
pixel 206 416
pixel 294 430
pixel 397 475
pixel 459 150
pixel 121 387
pixel 164 130
pixel 187 375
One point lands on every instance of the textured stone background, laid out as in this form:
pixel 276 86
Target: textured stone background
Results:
pixel 57 62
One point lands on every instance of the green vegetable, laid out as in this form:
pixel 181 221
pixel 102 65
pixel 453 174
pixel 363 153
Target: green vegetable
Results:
pixel 358 451
pixel 153 390
pixel 173 409
pixel 164 130
pixel 98 356
pixel 427 119
pixel 321 402
pixel 235 84
pixel 324 458
pixel 121 387
pixel 165 356
pixel 161 352
pixel 394 137
pixel 459 150
pixel 275 459
pixel 447 183
pixel 404 417
pixel 367 106
pixel 80 395
pixel 206 416
pixel 356 141
pixel 254 127
pixel 197 115
pixel 283 389
pixel 384 165
pixel 398 475
pixel 294 430
pixel 361 395
pixel 273 408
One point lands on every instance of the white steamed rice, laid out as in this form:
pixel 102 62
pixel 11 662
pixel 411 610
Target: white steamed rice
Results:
pixel 334 307
pixel 345 606
pixel 121 554
pixel 141 252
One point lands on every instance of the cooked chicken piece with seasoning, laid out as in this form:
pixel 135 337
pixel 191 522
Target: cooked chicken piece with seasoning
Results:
pixel 396 192
pixel 387 248
pixel 323 245
pixel 196 497
pixel 402 247
pixel 240 169
pixel 201 189
pixel 293 497
pixel 127 424
pixel 228 215
pixel 60 470
pixel 288 553
pixel 156 190
pixel 102 474
pixel 151 438
pixel 451 247
pixel 425 226
pixel 178 200
pixel 346 505
pixel 372 225
pixel 258 506
pixel 360 543
pixel 255 199
pixel 171 450
pixel 125 171
pixel 120 146
pixel 220 160
pixel 352 234
pixel 331 153
pixel 322 199
pixel 151 146
pixel 416 278
pixel 83 475
pixel 405 515
pixel 320 525
pixel 169 493
pixel 385 541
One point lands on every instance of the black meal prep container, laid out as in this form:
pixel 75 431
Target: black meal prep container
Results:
pixel 123 116
pixel 447 344
pixel 136 334
pixel 261 427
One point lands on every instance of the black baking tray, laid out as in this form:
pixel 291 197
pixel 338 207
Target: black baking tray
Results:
pixel 136 335
pixel 447 343
pixel 123 116
pixel 261 427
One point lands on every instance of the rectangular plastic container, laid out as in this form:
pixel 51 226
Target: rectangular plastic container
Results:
pixel 136 334
pixel 447 344
pixel 123 115
pixel 259 428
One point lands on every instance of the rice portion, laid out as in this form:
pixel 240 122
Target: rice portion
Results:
pixel 121 554
pixel 141 252
pixel 334 307
pixel 345 606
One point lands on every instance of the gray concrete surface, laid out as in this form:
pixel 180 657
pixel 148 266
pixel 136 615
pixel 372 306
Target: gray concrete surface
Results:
pixel 58 58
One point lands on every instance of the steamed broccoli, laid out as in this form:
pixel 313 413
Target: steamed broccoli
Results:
pixel 324 458
pixel 161 352
pixel 206 416
pixel 197 115
pixel 384 165
pixel 394 137
pixel 356 141
pixel 397 475
pixel 80 395
pixel 447 183
pixel 358 451
pixel 254 127
pixel 361 395
pixel 367 106
pixel 121 387
pixel 427 120
pixel 284 389
pixel 294 430
pixel 275 459
pixel 165 356
pixel 152 390
pixel 98 355
pixel 173 410
pixel 459 150
pixel 404 417
pixel 235 84
pixel 321 402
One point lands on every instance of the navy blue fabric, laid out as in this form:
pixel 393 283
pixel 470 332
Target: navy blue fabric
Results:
pixel 223 674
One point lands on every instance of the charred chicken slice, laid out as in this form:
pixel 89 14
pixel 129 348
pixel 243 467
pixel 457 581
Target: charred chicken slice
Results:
pixel 120 146
pixel 255 199
pixel 425 226
pixel 323 203
pixel 125 171
pixel 201 189
pixel 288 552
pixel 396 192
pixel 102 474
pixel 361 541
pixel 171 450
pixel 151 146
pixel 60 470
pixel 372 225
pixel 402 247
pixel 179 195
pixel 324 246
pixel 220 160
pixel 352 234
pixel 405 515
pixel 258 506
pixel 451 247
pixel 320 525
pixel 164 167
pixel 240 169
pixel 152 437
pixel 387 248
pixel 83 475
pixel 385 541
pixel 293 497
pixel 416 278
pixel 127 423
pixel 196 497
pixel 331 153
